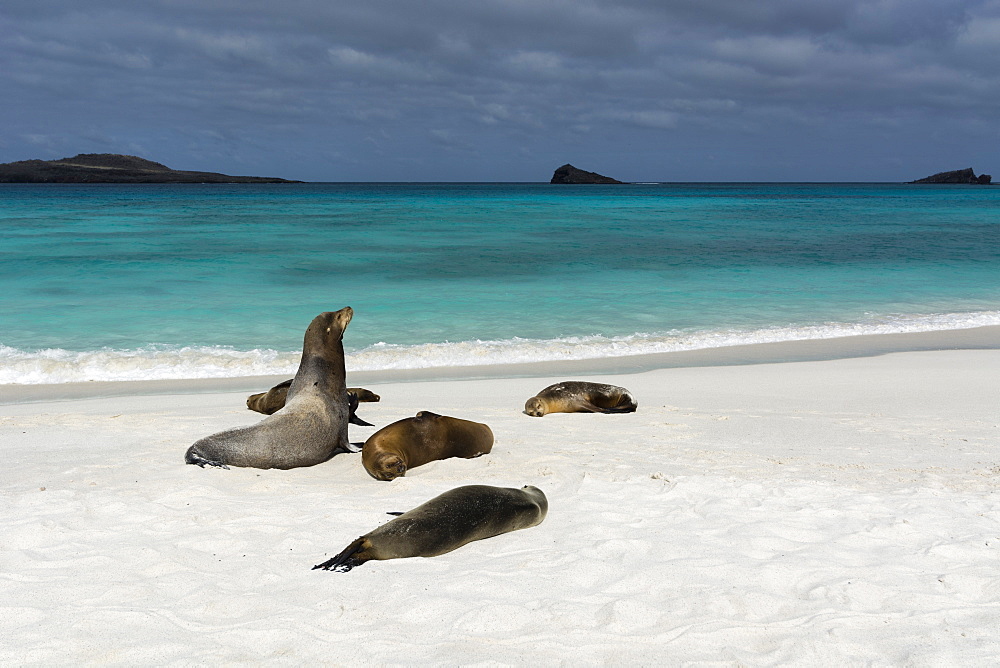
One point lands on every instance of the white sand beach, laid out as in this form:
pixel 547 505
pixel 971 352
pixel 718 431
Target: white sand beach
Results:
pixel 840 512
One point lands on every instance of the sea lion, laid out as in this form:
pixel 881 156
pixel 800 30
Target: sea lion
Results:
pixel 577 396
pixel 415 441
pixel 363 395
pixel 313 425
pixel 272 401
pixel 445 523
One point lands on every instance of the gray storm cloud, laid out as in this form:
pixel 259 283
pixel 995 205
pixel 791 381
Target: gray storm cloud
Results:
pixel 508 90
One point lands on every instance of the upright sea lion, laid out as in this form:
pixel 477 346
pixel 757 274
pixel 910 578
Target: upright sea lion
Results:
pixel 272 401
pixel 313 425
pixel 445 523
pixel 577 396
pixel 415 441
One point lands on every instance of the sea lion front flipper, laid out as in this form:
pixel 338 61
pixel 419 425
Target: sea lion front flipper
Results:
pixel 588 407
pixel 619 409
pixel 352 402
pixel 347 559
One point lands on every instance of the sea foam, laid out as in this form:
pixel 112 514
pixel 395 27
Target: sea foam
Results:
pixel 190 362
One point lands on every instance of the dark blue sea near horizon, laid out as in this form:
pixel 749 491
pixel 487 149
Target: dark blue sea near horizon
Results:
pixel 120 282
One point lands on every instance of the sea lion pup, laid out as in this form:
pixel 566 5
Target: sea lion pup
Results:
pixel 313 425
pixel 578 396
pixel 415 441
pixel 273 400
pixel 445 523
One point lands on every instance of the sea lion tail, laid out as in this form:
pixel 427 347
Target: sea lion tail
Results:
pixel 346 560
pixel 194 457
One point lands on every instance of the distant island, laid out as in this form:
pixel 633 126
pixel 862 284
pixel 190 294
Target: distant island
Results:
pixel 568 174
pixel 958 176
pixel 112 168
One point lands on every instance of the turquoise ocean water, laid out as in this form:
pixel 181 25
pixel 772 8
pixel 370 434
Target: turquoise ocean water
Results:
pixel 109 282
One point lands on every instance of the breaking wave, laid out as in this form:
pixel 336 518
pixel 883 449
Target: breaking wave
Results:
pixel 174 362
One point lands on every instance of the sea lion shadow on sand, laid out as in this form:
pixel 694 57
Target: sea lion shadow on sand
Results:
pixel 311 428
pixel 578 396
pixel 445 523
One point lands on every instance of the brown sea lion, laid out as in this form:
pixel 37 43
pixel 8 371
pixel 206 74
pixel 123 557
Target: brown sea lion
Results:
pixel 273 400
pixel 445 523
pixel 313 425
pixel 577 396
pixel 415 441
pixel 270 402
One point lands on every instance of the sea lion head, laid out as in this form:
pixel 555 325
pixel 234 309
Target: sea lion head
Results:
pixel 327 329
pixel 538 497
pixel 535 407
pixel 388 466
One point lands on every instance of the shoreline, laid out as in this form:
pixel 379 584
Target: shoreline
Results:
pixel 864 345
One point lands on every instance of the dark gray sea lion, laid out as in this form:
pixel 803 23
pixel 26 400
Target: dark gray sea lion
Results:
pixel 313 425
pixel 415 441
pixel 273 400
pixel 577 396
pixel 445 523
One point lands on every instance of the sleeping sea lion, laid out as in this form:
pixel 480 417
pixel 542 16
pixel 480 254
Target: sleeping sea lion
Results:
pixel 415 441
pixel 313 425
pixel 445 523
pixel 271 401
pixel 577 396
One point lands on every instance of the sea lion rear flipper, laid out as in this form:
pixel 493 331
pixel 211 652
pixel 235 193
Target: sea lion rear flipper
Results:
pixel 192 457
pixel 394 512
pixel 346 560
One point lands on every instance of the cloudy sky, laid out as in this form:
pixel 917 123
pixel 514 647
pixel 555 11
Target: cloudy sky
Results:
pixel 508 90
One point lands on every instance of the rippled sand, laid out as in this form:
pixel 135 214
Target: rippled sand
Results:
pixel 826 512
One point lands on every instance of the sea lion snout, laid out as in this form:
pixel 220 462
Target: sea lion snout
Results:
pixel 389 468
